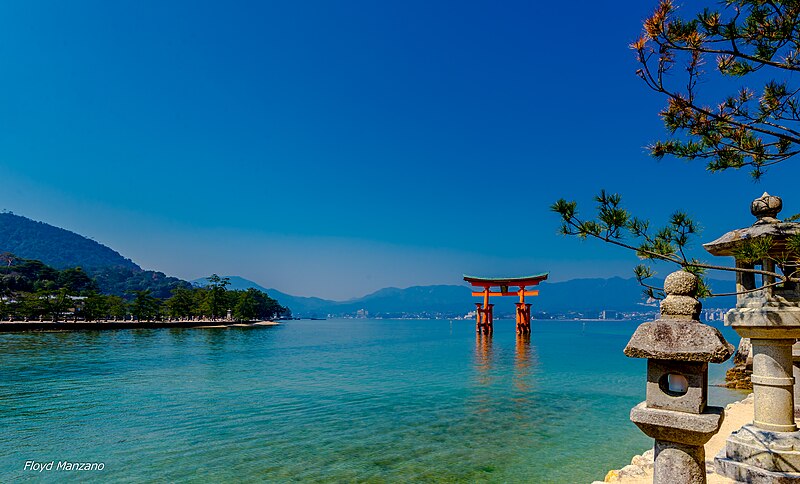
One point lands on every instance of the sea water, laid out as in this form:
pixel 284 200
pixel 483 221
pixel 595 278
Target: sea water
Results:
pixel 344 400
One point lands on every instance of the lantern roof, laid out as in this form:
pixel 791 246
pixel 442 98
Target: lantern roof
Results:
pixel 765 209
pixel 679 340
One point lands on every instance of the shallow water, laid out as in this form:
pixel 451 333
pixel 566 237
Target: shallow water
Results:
pixel 327 401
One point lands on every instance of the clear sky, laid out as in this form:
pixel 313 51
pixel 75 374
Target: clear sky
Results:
pixel 335 148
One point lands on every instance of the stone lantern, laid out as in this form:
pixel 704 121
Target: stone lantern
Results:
pixel 768 449
pixel 678 348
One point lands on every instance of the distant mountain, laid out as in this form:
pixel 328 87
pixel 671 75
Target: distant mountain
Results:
pixel 56 247
pixel 307 306
pixel 62 249
pixel 577 295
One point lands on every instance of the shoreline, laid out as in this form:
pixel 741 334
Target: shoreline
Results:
pixel 26 326
pixel 640 470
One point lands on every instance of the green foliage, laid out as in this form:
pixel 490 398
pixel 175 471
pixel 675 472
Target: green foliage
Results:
pixel 183 303
pixel 214 297
pixel 753 250
pixel 117 307
pixel 253 304
pixel 18 274
pixel 615 225
pixel 48 301
pixel 743 129
pixel 95 306
pixel 99 306
pixel 793 245
pixel 76 281
pixel 124 282
pixel 31 289
pixel 246 308
pixel 643 273
pixel 145 306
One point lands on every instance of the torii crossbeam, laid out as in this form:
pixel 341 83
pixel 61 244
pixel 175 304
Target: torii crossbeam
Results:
pixel 484 317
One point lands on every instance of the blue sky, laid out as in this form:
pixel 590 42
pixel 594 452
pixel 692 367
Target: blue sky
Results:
pixel 334 148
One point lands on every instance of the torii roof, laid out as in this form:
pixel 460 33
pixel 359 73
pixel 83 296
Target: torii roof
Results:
pixel 506 281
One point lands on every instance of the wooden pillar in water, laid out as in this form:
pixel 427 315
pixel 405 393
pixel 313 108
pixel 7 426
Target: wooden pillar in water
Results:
pixel 484 319
pixel 523 313
pixel 483 315
pixel 523 318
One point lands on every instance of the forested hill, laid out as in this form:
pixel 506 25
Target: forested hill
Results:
pixel 57 247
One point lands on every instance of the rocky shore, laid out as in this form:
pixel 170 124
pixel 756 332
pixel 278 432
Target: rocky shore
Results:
pixel 640 470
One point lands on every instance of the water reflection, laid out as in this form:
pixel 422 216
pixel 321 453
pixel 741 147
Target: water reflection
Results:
pixel 522 363
pixel 483 352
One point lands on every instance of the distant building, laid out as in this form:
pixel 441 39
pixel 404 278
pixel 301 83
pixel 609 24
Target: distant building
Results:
pixel 610 314
pixel 714 314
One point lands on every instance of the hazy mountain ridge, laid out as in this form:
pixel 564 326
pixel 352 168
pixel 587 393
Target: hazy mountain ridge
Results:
pixel 118 275
pixel 576 295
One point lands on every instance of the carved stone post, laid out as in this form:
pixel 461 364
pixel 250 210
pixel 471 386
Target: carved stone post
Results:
pixel 678 348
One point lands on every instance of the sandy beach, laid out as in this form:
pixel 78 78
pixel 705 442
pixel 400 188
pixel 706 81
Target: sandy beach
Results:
pixel 640 470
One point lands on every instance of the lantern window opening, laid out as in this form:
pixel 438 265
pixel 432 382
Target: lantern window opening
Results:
pixel 674 384
pixel 788 268
pixel 747 280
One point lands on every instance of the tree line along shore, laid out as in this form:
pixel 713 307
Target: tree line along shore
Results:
pixel 31 290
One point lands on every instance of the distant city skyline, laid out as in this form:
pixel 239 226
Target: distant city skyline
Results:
pixel 334 149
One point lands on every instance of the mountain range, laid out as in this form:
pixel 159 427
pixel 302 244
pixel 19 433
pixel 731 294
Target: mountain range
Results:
pixel 119 275
pixel 585 296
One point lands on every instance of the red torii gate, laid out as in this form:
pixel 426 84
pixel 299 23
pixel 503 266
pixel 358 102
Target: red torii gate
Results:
pixel 484 317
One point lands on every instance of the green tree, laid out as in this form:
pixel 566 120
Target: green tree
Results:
pixel 247 305
pixel 743 129
pixel 144 306
pixel 754 127
pixel 95 306
pixel 182 304
pixel 117 307
pixel 29 305
pixel 6 307
pixel 76 281
pixel 51 301
pixel 214 303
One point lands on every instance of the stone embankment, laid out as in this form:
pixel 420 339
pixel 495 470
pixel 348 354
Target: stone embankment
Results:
pixel 640 470
pixel 21 326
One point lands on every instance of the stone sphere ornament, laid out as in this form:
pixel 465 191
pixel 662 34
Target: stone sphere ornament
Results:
pixel 681 283
pixel 766 206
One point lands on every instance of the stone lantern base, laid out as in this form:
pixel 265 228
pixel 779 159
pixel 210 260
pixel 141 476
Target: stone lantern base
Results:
pixel 760 456
pixel 680 436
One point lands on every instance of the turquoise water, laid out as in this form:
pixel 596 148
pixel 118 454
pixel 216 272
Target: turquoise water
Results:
pixel 326 401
